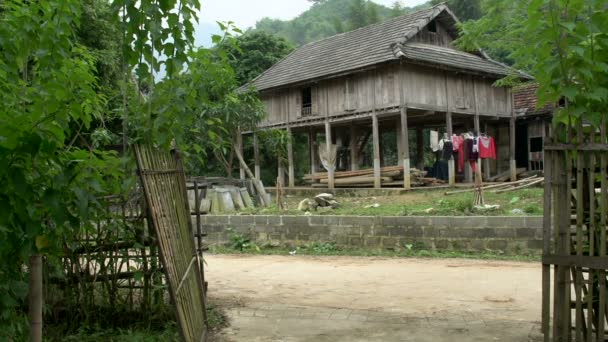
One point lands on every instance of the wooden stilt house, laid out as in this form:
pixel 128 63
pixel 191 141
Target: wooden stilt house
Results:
pixel 401 77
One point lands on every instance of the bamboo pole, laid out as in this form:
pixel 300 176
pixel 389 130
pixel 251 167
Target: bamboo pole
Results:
pixel 493 186
pixel 537 181
pixel 35 298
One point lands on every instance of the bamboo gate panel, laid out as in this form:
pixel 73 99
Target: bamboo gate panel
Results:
pixel 164 185
pixel 574 305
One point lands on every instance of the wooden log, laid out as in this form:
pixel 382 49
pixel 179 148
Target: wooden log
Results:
pixel 342 174
pixel 357 180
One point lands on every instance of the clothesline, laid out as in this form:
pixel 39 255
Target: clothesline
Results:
pixel 467 146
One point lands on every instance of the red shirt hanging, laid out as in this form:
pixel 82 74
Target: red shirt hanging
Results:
pixel 487 149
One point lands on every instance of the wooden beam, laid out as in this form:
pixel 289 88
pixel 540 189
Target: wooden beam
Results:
pixel 256 156
pixel 290 165
pixel 328 143
pixel 354 156
pixel 239 145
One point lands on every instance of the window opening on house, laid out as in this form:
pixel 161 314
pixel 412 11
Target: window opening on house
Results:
pixel 306 101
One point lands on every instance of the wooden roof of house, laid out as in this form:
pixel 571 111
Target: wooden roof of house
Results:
pixel 374 44
pixel 526 101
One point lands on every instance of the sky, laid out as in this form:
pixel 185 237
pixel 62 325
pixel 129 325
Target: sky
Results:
pixel 245 13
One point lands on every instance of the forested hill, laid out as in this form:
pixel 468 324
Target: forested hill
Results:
pixel 329 17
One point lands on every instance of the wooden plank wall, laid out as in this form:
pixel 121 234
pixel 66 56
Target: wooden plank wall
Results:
pixel 424 88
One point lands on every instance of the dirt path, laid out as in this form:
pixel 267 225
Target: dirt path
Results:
pixel 302 298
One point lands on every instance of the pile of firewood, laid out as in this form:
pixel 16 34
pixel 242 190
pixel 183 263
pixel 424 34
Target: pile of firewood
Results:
pixel 389 176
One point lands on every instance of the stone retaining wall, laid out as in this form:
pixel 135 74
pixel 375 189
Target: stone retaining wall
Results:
pixel 468 233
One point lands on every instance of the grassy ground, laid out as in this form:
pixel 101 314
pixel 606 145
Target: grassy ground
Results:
pixel 424 203
pixel 408 251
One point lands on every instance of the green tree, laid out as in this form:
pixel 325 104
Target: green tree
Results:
pixel 562 43
pixel 254 52
pixel 357 14
pixel 397 9
pixel 463 9
pixel 372 13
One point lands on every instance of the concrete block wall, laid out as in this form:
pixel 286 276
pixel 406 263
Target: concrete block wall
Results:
pixel 508 234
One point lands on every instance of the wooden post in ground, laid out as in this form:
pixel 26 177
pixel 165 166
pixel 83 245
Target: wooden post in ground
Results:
pixel 376 142
pixel 405 147
pixel 291 168
pixel 256 156
pixel 375 134
pixel 354 157
pixel 35 298
pixel 399 144
pixel 451 166
pixel 405 140
pixel 312 149
pixel 512 163
pixel 420 148
pixel 239 145
pixel 328 143
pixel 448 124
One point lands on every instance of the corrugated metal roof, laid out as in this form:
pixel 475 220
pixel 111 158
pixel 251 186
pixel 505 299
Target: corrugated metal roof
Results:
pixel 368 46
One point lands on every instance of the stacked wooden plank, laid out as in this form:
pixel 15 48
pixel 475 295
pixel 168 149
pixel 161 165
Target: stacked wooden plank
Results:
pixel 389 176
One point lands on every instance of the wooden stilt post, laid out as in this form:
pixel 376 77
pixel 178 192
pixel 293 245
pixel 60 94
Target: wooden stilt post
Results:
pixel 280 171
pixel 375 136
pixel 420 148
pixel 239 145
pixel 512 163
pixel 405 140
pixel 405 147
pixel 328 143
pixel 354 157
pixel 256 156
pixel 448 123
pixel 451 166
pixel 376 143
pixel 312 148
pixel 35 298
pixel 291 168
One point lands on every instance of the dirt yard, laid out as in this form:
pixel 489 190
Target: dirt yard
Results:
pixel 304 298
